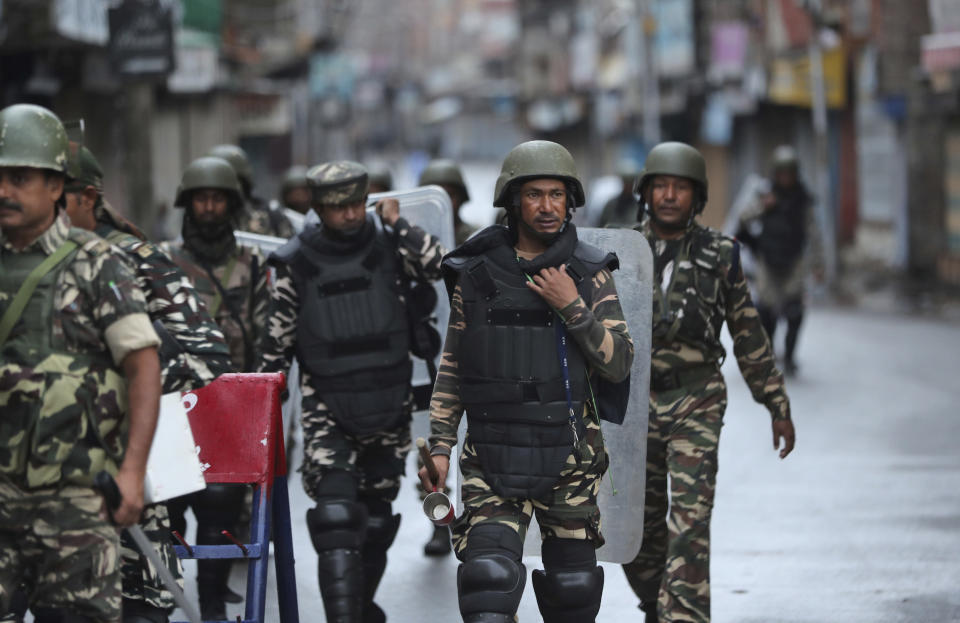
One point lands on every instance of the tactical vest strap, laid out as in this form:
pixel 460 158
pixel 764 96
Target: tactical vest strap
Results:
pixel 577 270
pixel 482 280
pixel 12 315
pixel 218 298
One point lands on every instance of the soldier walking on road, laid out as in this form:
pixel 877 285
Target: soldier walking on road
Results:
pixel 294 190
pixel 447 175
pixel 381 179
pixel 258 216
pixel 781 230
pixel 621 211
pixel 193 352
pixel 698 284
pixel 535 319
pixel 339 306
pixel 231 279
pixel 79 385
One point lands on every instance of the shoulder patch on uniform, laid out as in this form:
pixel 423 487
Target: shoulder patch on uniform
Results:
pixel 144 251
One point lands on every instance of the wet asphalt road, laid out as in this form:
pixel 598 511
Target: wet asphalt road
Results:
pixel 861 523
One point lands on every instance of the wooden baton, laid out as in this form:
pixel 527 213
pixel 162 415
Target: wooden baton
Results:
pixel 428 462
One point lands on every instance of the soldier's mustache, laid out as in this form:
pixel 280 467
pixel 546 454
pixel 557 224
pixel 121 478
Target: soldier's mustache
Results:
pixel 6 204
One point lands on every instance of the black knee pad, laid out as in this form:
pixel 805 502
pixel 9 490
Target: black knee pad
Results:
pixel 570 589
pixel 337 524
pixel 381 529
pixel 491 579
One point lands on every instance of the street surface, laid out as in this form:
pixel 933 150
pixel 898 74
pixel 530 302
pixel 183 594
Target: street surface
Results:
pixel 860 524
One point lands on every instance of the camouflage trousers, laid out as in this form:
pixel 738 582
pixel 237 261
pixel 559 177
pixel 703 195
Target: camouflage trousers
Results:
pixel 141 581
pixel 568 511
pixel 673 566
pixel 55 546
pixel 378 460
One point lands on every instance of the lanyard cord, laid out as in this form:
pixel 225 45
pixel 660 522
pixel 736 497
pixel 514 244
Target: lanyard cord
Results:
pixel 561 334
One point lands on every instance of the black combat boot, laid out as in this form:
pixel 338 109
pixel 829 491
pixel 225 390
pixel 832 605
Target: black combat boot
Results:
pixel 439 543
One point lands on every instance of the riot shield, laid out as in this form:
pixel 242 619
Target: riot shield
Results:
pixel 622 490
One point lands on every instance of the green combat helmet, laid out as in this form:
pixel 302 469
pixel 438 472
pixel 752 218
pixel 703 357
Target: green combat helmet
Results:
pixel 32 136
pixel 84 168
pixel 338 183
pixel 444 172
pixel 679 160
pixel 209 172
pixel 535 159
pixel 784 157
pixel 240 162
pixel 295 177
pixel 380 176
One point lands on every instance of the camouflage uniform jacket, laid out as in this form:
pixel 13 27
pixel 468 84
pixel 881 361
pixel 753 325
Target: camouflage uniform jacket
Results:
pixel 600 332
pixel 420 254
pixel 194 351
pixel 240 314
pixel 62 395
pixel 698 290
pixel 261 218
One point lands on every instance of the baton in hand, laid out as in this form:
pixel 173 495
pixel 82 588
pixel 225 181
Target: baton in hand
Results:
pixel 105 483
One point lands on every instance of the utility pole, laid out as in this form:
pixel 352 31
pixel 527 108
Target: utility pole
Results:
pixel 138 163
pixel 821 165
pixel 651 78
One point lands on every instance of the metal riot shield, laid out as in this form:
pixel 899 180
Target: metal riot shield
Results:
pixel 622 491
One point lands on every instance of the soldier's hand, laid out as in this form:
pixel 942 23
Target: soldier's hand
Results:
pixel 442 464
pixel 389 211
pixel 555 286
pixel 784 429
pixel 131 494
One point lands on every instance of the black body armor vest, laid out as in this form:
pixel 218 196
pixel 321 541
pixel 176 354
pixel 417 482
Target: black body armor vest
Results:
pixel 511 380
pixel 783 235
pixel 352 330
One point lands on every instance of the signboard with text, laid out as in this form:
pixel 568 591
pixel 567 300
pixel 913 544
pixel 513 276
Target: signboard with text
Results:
pixel 141 39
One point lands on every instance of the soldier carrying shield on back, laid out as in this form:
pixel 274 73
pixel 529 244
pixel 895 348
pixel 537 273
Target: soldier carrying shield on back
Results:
pixel 535 319
pixel 339 304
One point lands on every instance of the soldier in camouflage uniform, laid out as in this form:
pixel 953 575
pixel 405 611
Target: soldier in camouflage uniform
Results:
pixel 258 216
pixel 535 319
pixel 339 306
pixel 446 174
pixel 79 385
pixel 294 190
pixel 193 353
pixel 231 280
pixel 621 211
pixel 381 179
pixel 698 284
